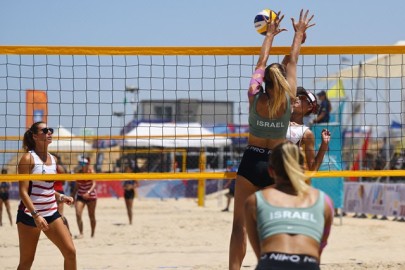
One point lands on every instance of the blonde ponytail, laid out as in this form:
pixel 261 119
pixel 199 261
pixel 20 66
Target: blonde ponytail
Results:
pixel 287 162
pixel 276 81
pixel 291 159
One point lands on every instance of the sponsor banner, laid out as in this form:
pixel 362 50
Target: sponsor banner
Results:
pixel 375 198
pixel 175 188
pixel 354 195
pixel 106 189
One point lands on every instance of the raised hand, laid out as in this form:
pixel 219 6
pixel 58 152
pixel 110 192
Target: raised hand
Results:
pixel 273 25
pixel 325 136
pixel 303 23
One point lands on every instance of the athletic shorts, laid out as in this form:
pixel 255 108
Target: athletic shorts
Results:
pixel 83 200
pixel 231 192
pixel 28 220
pixel 284 261
pixel 254 166
pixel 129 194
pixel 4 196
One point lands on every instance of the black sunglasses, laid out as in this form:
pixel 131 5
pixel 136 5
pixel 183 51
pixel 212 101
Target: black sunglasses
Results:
pixel 46 130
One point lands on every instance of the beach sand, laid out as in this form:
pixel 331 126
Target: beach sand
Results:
pixel 177 234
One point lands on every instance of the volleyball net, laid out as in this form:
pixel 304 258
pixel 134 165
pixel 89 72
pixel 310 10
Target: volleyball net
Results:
pixel 181 112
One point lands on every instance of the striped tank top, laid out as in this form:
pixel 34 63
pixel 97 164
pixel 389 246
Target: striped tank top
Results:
pixel 42 193
pixel 83 186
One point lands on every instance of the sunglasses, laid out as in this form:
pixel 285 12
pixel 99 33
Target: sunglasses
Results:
pixel 46 130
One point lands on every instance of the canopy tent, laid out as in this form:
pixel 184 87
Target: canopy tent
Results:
pixel 64 140
pixel 380 66
pixel 174 135
pixel 387 67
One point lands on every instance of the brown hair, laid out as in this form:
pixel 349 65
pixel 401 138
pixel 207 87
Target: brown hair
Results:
pixel 275 80
pixel 28 141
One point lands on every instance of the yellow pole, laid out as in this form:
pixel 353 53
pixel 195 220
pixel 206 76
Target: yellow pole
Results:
pixel 201 192
pixel 201 182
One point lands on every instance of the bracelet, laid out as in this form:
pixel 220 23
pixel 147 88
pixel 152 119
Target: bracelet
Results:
pixel 61 198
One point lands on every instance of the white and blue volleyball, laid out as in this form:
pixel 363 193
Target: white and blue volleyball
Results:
pixel 260 22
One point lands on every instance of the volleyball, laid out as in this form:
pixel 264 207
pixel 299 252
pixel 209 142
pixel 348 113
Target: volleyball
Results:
pixel 260 20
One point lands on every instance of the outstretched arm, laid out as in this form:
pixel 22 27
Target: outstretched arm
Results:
pixel 273 29
pixel 299 37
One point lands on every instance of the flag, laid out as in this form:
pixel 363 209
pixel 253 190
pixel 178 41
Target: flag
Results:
pixel 361 154
pixel 337 91
pixel 336 94
pixel 36 107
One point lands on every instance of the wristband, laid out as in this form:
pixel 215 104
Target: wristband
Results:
pixel 61 198
pixel 256 81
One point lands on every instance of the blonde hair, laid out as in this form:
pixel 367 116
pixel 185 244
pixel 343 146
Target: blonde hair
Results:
pixel 276 80
pixel 287 162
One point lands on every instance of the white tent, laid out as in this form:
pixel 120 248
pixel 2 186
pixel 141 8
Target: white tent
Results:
pixel 381 66
pixel 64 140
pixel 171 135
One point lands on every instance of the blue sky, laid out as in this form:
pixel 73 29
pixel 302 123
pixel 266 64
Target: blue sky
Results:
pixel 183 23
pixel 193 22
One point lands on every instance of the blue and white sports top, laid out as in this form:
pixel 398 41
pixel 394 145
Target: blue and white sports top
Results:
pixel 272 220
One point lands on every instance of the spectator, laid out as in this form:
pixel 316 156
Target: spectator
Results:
pixel 324 109
pixel 85 191
pixel 4 199
pixel 130 191
pixel 230 185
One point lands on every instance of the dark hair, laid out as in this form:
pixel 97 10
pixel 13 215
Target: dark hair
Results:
pixel 3 171
pixel 323 94
pixel 28 141
pixel 301 91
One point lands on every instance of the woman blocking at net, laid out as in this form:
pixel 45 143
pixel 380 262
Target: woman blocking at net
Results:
pixel 289 222
pixel 301 135
pixel 269 116
pixel 37 210
pixel 85 192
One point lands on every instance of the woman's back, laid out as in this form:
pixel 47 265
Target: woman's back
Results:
pixel 265 132
pixel 290 223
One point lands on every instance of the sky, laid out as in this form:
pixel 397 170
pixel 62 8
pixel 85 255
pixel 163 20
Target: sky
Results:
pixel 192 23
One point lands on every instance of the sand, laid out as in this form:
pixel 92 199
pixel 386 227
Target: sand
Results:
pixel 177 234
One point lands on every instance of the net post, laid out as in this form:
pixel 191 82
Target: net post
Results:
pixel 201 182
pixel 201 192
